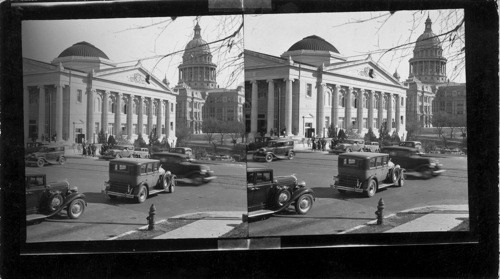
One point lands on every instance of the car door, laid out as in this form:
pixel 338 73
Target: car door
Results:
pixel 35 187
pixel 258 189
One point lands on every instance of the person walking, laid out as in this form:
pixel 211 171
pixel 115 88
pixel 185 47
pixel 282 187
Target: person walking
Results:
pixel 323 144
pixel 93 149
pixel 314 144
pixel 84 147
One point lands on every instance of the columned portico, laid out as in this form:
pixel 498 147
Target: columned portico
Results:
pixel 389 111
pixel 370 108
pixel 149 102
pixel 140 116
pixel 158 118
pixel 335 105
pixel 118 119
pixel 359 116
pixel 380 109
pixel 288 106
pixel 104 115
pixel 348 105
pixel 90 115
pixel 270 105
pixel 59 112
pixel 130 106
pixel 41 112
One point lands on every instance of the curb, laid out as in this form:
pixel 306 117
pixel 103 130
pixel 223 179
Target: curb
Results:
pixel 430 207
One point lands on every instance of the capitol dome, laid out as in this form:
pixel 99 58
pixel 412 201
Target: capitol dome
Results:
pixel 197 44
pixel 313 43
pixel 428 38
pixel 83 49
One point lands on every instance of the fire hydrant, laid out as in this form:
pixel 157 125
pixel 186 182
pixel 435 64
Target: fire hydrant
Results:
pixel 151 217
pixel 380 212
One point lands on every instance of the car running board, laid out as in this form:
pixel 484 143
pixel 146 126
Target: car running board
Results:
pixel 155 191
pixel 34 217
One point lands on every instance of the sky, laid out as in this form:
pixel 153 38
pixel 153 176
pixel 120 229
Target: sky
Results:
pixel 126 41
pixel 354 39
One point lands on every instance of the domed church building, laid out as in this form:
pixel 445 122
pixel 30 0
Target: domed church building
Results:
pixel 82 92
pixel 312 87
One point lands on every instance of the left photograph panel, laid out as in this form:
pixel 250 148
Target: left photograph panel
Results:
pixel 134 128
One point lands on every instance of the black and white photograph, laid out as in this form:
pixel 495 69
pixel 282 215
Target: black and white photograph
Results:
pixel 133 128
pixel 359 122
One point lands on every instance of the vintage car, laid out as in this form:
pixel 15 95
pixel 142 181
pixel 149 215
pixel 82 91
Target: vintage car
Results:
pixel 184 169
pixel 268 194
pixel 371 146
pixel 119 151
pixel 137 178
pixel 259 142
pixel 141 152
pixel 32 147
pixel 363 172
pixel 276 149
pixel 51 154
pixel 414 161
pixel 350 145
pixel 413 144
pixel 182 150
pixel 46 200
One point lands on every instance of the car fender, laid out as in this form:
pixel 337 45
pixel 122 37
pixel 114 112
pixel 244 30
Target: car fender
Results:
pixel 67 200
pixel 135 192
pixel 301 192
pixel 364 184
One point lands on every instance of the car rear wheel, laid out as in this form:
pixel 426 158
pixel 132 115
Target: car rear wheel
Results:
pixel 76 208
pixel 283 197
pixel 372 188
pixel 143 194
pixel 55 201
pixel 269 158
pixel 291 155
pixel 304 203
pixel 426 173
pixel 61 160
pixel 197 179
pixel 40 163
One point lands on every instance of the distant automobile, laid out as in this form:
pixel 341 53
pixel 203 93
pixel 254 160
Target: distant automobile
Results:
pixel 259 142
pixel 268 194
pixel 50 154
pixel 413 144
pixel 350 145
pixel 183 168
pixel 364 172
pixel 182 150
pixel 137 178
pixel 413 161
pixel 141 152
pixel 119 151
pixel 276 149
pixel 44 200
pixel 371 146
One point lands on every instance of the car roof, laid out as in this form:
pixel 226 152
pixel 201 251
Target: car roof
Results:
pixel 133 161
pixel 164 153
pixel 281 140
pixel 258 169
pixel 411 142
pixel 362 155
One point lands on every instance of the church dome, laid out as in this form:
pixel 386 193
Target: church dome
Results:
pixel 197 43
pixel 313 43
pixel 83 49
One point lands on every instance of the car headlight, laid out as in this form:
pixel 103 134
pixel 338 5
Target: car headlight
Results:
pixel 301 184
pixel 73 189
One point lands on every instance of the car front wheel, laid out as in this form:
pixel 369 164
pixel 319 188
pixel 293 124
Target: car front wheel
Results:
pixel 304 204
pixel 55 201
pixel 371 189
pixel 283 197
pixel 291 155
pixel 62 160
pixel 269 158
pixel 143 194
pixel 40 163
pixel 76 208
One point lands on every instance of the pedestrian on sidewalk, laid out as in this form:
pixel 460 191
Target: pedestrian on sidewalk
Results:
pixel 84 147
pixel 308 142
pixel 93 149
pixel 313 144
pixel 323 144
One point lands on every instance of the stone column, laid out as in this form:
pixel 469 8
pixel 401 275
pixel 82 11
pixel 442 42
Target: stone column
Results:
pixel 254 111
pixel 130 119
pixel 270 105
pixel 398 112
pixel 140 116
pixel 348 105
pixel 193 118
pixel 370 109
pixel 359 116
pixel 26 113
pixel 41 112
pixel 389 111
pixel 118 114
pixel 288 106
pixel 167 119
pixel 90 115
pixel 149 102
pixel 320 111
pixel 104 115
pixel 158 119
pixel 59 112
pixel 380 109
pixel 335 105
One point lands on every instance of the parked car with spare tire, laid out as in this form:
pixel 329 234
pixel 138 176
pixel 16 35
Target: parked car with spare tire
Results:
pixel 138 179
pixel 268 194
pixel 366 172
pixel 44 200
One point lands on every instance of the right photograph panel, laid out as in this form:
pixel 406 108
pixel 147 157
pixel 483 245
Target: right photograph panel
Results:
pixel 356 123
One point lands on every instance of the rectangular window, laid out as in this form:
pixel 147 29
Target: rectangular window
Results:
pixel 135 129
pixel 79 96
pixel 163 129
pixel 111 127
pixel 309 90
pixel 97 128
pixel 365 123
pixel 171 126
